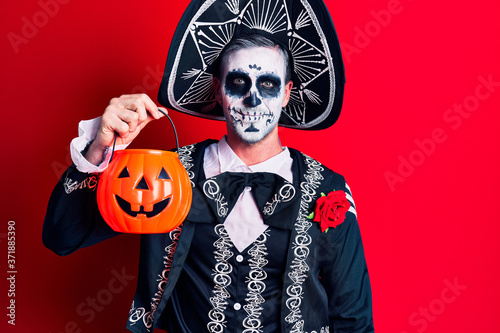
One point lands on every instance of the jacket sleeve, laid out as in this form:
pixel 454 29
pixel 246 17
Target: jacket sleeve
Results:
pixel 72 220
pixel 345 276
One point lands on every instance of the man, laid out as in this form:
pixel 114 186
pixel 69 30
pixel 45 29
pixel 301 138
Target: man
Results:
pixel 259 264
pixel 251 96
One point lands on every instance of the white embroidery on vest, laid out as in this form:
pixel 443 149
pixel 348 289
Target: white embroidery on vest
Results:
pixel 221 279
pixel 256 284
pixel 299 327
pixel 300 245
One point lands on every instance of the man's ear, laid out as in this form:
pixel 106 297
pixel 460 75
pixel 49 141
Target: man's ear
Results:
pixel 288 89
pixel 218 96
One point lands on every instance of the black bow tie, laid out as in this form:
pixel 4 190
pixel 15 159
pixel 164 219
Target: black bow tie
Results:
pixel 276 198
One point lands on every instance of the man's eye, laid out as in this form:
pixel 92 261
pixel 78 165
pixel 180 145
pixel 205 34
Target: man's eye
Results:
pixel 239 81
pixel 268 84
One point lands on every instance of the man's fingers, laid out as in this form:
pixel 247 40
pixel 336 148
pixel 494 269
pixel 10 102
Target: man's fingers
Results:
pixel 162 109
pixel 119 120
pixel 152 108
pixel 127 115
pixel 140 103
pixel 149 118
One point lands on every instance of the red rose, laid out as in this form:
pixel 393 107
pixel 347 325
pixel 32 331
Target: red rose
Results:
pixel 330 210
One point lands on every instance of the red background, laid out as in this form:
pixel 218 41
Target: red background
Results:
pixel 426 226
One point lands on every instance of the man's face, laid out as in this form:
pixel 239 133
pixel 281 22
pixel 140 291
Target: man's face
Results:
pixel 253 91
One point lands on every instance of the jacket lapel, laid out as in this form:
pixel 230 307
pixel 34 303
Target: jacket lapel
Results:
pixel 308 177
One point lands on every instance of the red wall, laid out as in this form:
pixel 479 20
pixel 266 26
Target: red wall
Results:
pixel 417 141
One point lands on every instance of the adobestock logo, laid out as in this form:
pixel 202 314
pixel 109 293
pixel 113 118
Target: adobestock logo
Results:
pixel 421 318
pixel 58 167
pixel 32 25
pixel 453 118
pixel 104 296
pixel 151 81
pixel 89 308
pixel 373 28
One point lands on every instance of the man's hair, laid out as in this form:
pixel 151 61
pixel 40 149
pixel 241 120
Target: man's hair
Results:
pixel 249 41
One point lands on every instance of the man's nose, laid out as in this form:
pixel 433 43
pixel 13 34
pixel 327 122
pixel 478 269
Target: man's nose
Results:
pixel 252 100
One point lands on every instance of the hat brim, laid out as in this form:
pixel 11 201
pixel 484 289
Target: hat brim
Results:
pixel 304 26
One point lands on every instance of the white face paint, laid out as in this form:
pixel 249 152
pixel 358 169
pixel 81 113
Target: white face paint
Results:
pixel 253 90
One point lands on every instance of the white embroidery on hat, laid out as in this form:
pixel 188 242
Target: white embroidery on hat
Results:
pixel 210 37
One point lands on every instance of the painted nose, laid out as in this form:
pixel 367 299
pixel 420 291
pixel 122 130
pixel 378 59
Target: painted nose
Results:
pixel 252 100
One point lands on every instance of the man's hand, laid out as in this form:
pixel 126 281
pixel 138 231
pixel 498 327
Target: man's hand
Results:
pixel 126 116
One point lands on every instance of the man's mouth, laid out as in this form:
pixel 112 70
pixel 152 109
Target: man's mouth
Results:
pixel 251 116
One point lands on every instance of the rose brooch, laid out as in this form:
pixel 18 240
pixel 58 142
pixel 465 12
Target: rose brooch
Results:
pixel 330 210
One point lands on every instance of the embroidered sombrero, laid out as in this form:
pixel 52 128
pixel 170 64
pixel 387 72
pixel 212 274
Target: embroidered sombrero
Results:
pixel 304 26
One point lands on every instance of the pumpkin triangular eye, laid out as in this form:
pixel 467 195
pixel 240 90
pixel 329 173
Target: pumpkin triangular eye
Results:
pixel 124 173
pixel 163 174
pixel 142 185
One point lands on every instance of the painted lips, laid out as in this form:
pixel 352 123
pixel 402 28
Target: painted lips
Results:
pixel 252 115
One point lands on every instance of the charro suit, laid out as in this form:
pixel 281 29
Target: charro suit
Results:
pixel 323 285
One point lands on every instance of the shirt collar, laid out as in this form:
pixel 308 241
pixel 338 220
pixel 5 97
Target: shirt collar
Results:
pixel 279 164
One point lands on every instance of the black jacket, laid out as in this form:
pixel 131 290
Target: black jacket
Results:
pixel 326 286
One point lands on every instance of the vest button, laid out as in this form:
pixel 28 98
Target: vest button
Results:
pixel 237 306
pixel 239 258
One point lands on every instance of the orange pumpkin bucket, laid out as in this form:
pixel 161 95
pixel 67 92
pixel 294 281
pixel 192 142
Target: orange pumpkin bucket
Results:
pixel 144 191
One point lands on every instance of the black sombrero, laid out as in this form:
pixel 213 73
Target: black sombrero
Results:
pixel 304 26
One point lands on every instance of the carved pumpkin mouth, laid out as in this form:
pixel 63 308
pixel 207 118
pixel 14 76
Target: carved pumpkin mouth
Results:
pixel 127 208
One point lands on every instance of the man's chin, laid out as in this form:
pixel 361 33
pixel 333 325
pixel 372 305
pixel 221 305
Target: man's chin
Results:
pixel 250 135
pixel 252 132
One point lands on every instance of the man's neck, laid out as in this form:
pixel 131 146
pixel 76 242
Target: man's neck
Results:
pixel 255 153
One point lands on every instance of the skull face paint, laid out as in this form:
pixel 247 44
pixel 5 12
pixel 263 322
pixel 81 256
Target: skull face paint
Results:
pixel 253 91
pixel 238 84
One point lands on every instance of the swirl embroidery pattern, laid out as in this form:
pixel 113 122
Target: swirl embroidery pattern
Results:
pixel 137 314
pixel 212 191
pixel 147 317
pixel 222 280
pixel 285 194
pixel 187 160
pixel 325 329
pixel 72 185
pixel 300 245
pixel 256 285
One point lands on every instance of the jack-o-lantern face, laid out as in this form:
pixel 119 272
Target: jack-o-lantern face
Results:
pixel 144 191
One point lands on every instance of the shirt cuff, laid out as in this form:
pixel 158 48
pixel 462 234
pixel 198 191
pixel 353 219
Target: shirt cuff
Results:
pixel 87 131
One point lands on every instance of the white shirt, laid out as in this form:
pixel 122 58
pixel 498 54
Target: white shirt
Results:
pixel 244 223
